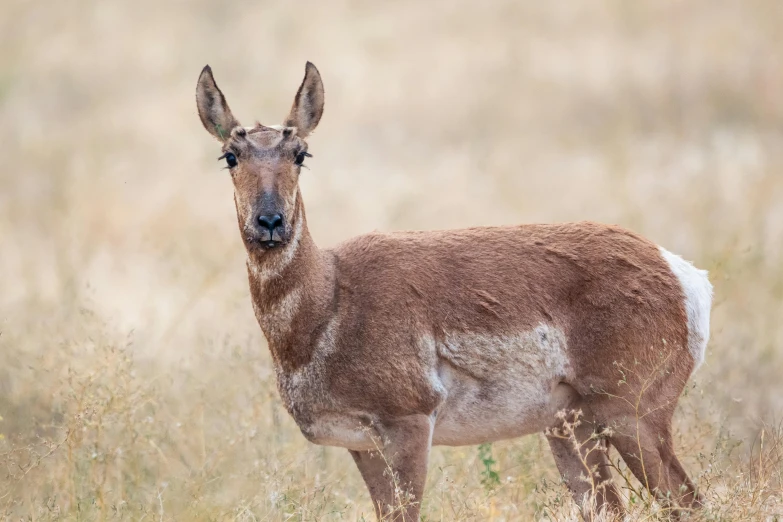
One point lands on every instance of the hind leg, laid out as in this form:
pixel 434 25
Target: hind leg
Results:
pixel 582 461
pixel 645 444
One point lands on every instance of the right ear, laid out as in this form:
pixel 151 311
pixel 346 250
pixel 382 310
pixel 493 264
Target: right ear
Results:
pixel 212 107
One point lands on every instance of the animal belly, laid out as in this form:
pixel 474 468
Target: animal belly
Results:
pixel 499 387
pixel 477 412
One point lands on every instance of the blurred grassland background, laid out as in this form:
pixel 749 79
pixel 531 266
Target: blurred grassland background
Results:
pixel 134 381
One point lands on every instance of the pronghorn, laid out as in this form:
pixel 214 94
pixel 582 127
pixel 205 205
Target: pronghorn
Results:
pixel 392 342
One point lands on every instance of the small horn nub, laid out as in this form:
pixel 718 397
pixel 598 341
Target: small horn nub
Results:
pixel 238 132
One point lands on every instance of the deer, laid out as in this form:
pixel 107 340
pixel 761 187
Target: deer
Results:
pixel 390 343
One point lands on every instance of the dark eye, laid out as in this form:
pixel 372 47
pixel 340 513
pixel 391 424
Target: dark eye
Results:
pixel 300 157
pixel 231 159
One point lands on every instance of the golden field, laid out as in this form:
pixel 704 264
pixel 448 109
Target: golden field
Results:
pixel 135 383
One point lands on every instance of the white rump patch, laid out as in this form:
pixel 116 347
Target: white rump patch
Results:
pixel 698 302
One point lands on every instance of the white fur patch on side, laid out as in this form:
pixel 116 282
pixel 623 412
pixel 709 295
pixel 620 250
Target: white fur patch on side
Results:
pixel 698 302
pixel 497 386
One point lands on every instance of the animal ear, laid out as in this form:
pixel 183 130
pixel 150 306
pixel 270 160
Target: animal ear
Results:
pixel 308 104
pixel 212 107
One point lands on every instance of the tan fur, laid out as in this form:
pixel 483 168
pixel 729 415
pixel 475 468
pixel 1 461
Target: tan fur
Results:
pixel 458 336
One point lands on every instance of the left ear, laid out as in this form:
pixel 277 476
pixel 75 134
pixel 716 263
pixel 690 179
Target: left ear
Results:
pixel 308 104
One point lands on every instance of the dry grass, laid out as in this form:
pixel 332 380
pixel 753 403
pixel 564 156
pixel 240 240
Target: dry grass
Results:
pixel 134 382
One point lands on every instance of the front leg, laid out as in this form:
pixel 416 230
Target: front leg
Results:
pixel 396 475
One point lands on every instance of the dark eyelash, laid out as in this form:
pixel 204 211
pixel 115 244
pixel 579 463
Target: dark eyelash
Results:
pixel 304 155
pixel 230 156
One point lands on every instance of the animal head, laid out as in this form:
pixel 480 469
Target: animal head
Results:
pixel 264 161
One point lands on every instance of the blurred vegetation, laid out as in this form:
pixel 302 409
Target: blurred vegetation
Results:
pixel 134 381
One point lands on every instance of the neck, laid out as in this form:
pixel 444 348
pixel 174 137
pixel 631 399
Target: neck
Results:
pixel 292 289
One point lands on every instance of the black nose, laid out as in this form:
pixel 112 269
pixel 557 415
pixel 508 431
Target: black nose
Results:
pixel 271 222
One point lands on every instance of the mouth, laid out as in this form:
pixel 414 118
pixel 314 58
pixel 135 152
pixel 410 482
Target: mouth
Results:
pixel 264 244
